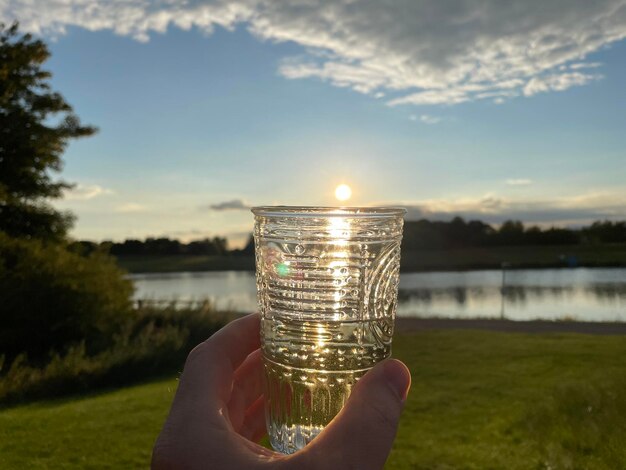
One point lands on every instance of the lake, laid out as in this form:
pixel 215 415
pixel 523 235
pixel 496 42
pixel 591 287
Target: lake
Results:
pixel 530 294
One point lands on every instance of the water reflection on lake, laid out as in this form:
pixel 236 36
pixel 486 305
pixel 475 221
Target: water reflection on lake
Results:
pixel 577 294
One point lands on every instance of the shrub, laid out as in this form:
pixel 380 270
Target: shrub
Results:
pixel 153 342
pixel 52 297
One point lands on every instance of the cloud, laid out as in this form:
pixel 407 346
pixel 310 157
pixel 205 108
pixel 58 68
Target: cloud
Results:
pixel 84 192
pixel 494 209
pixel 233 205
pixel 130 207
pixel 583 65
pixel 557 82
pixel 430 97
pixel 518 182
pixel 415 53
pixel 425 118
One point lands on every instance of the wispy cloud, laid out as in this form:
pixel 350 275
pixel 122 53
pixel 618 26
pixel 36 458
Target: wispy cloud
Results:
pixel 425 118
pixel 84 192
pixel 494 209
pixel 557 82
pixel 481 49
pixel 585 65
pixel 129 207
pixel 232 205
pixel 518 182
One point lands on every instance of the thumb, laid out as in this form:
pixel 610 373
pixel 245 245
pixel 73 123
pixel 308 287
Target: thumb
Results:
pixel 362 434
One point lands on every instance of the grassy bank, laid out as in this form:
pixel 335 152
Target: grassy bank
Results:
pixel 154 341
pixel 184 263
pixel 517 257
pixel 479 400
pixel 427 260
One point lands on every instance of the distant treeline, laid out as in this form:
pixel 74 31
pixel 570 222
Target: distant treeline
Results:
pixel 163 246
pixel 418 235
pixel 458 233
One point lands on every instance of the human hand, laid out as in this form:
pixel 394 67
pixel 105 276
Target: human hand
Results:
pixel 217 415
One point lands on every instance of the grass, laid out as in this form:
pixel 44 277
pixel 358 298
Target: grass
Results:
pixel 425 260
pixel 479 400
pixel 114 429
pixel 507 400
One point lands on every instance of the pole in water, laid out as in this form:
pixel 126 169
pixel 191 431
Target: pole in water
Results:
pixel 503 266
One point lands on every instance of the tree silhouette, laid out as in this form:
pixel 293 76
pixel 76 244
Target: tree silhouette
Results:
pixel 511 233
pixel 51 297
pixel 606 232
pixel 36 125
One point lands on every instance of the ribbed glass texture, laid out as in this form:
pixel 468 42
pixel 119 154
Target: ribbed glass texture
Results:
pixel 327 282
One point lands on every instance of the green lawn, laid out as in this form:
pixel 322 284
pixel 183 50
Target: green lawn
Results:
pixel 109 430
pixel 479 400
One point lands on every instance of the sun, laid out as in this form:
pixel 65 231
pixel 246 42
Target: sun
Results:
pixel 343 192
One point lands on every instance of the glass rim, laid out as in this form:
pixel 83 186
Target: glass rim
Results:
pixel 329 211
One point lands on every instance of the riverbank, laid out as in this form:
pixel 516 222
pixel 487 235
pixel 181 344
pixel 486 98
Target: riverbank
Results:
pixel 479 399
pixel 520 257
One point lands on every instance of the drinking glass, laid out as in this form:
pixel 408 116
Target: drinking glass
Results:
pixel 327 283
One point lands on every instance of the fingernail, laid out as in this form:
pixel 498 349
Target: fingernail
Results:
pixel 398 377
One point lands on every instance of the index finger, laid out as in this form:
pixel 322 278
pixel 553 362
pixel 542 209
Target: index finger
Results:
pixel 210 366
pixel 236 340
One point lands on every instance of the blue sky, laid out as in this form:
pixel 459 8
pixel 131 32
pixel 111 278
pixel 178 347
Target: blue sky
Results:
pixel 202 116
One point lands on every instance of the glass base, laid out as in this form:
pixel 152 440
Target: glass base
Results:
pixel 299 403
pixel 290 439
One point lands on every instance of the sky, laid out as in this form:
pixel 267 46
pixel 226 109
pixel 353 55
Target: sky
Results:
pixel 481 108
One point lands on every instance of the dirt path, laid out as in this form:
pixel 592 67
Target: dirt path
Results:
pixel 596 328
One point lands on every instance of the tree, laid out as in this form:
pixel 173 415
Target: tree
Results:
pixel 606 232
pixel 52 295
pixel 249 248
pixel 511 232
pixel 36 125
